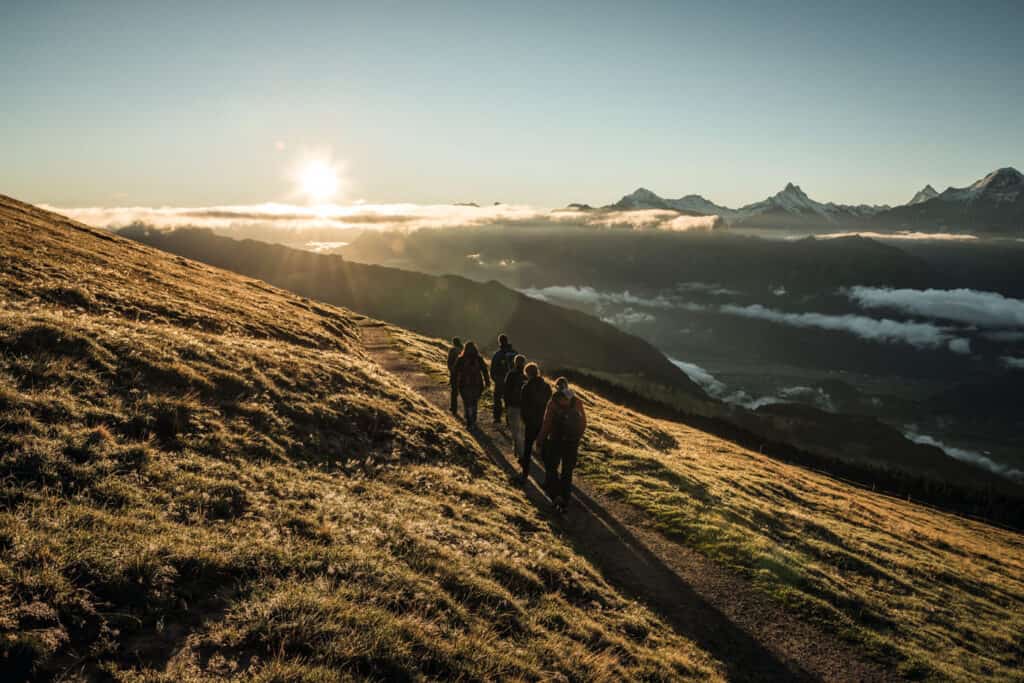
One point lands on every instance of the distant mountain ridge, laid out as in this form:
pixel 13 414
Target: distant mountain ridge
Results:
pixel 435 305
pixel 994 203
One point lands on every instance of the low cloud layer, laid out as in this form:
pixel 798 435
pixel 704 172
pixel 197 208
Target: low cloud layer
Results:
pixel 380 217
pixel 919 335
pixel 593 297
pixel 629 318
pixel 922 335
pixel 718 389
pixel 964 455
pixel 970 306
pixel 903 235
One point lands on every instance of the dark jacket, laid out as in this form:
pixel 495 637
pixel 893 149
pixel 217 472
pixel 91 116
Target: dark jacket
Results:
pixel 453 355
pixel 501 362
pixel 514 381
pixel 533 401
pixel 470 375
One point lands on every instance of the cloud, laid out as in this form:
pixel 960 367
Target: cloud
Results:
pixel 629 317
pixel 718 389
pixel 960 345
pixel 964 455
pixel 324 247
pixel 590 296
pixel 970 306
pixel 901 235
pixel 362 215
pixel 292 216
pixel 816 396
pixel 702 377
pixel 1013 362
pixel 688 223
pixel 919 335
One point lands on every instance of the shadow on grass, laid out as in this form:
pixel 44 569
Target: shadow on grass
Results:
pixel 629 565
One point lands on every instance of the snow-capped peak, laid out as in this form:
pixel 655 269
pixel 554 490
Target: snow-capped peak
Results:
pixel 1002 185
pixel 795 200
pixel 999 179
pixel 640 198
pixel 923 195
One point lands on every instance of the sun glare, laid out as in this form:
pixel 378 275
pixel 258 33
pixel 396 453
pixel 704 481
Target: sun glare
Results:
pixel 318 180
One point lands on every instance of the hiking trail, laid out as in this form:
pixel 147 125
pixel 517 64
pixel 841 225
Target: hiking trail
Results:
pixel 754 637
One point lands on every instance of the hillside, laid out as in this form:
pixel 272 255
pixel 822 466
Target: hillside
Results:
pixel 938 597
pixel 437 306
pixel 202 476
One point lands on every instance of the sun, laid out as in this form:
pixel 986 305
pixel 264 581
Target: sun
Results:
pixel 318 180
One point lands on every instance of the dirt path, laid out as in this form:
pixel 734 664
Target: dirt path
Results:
pixel 754 637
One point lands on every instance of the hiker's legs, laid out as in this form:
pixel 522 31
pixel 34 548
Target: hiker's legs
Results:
pixel 515 425
pixel 529 437
pixel 551 457
pixel 455 399
pixel 498 398
pixel 570 452
pixel 470 404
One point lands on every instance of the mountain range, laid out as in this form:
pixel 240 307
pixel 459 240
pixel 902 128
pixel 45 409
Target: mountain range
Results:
pixel 992 204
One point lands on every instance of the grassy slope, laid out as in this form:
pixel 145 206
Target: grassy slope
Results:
pixel 202 475
pixel 941 596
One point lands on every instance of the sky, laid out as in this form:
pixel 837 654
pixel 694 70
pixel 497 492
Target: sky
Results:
pixel 538 103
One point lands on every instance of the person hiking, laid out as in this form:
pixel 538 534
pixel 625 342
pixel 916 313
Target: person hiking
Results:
pixel 512 390
pixel 533 400
pixel 565 421
pixel 501 363
pixel 471 378
pixel 453 355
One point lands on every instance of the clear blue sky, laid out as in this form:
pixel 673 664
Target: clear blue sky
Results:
pixel 176 103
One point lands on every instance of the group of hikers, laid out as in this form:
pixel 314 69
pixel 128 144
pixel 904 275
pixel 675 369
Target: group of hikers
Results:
pixel 553 421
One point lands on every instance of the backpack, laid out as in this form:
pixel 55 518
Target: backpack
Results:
pixel 469 373
pixel 502 364
pixel 566 425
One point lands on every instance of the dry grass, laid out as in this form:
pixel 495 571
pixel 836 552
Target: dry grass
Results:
pixel 202 476
pixel 940 596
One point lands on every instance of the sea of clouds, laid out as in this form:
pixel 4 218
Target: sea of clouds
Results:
pixel 406 217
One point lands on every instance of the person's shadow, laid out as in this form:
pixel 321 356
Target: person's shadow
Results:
pixel 630 566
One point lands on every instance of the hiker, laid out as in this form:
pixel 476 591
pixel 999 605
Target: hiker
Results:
pixel 533 400
pixel 501 363
pixel 453 355
pixel 471 378
pixel 512 390
pixel 560 435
